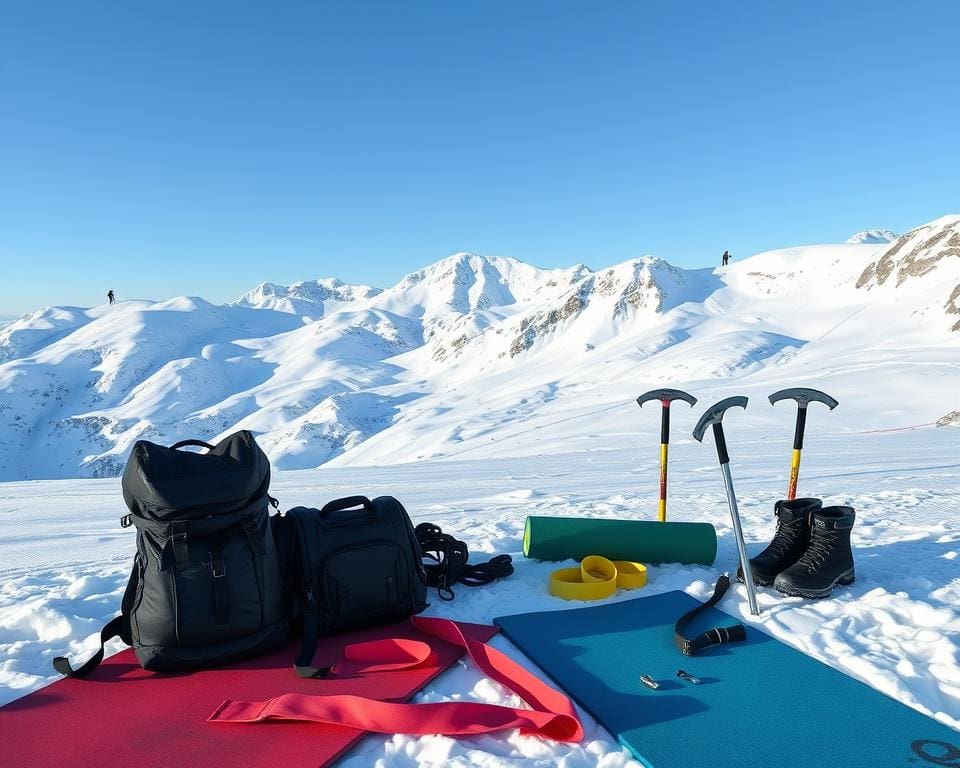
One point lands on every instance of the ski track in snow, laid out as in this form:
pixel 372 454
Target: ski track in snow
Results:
pixel 65 561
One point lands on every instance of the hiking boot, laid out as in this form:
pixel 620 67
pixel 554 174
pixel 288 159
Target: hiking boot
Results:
pixel 828 560
pixel 789 542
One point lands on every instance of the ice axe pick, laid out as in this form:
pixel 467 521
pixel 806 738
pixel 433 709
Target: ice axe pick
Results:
pixel 804 397
pixel 665 396
pixel 714 417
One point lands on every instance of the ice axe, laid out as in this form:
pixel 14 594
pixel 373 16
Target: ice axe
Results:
pixel 714 417
pixel 804 397
pixel 665 396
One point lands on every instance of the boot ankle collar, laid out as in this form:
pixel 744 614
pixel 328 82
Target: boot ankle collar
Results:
pixel 796 509
pixel 840 522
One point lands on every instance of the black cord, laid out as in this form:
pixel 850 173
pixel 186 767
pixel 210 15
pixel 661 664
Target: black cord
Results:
pixel 449 556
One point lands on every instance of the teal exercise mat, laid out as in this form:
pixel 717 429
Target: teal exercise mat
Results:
pixel 761 704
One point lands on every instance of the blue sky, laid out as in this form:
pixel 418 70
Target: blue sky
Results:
pixel 202 147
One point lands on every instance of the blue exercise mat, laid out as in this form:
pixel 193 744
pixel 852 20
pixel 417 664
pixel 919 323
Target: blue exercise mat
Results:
pixel 761 704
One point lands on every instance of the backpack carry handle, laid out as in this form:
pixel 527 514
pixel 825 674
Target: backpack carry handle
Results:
pixel 198 443
pixel 348 502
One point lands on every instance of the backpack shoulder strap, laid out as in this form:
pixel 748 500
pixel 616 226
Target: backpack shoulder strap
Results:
pixel 113 628
pixel 118 626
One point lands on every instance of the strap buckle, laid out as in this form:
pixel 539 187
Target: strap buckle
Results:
pixel 216 565
pixel 714 635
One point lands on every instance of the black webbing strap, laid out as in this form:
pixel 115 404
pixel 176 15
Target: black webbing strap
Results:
pixel 178 541
pixel 715 636
pixel 450 564
pixel 221 591
pixel 259 549
pixel 111 629
pixel 252 530
pixel 303 664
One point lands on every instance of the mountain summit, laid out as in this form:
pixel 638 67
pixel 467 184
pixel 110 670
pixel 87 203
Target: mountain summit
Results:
pixel 873 237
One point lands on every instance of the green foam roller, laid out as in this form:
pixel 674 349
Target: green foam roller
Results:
pixel 645 541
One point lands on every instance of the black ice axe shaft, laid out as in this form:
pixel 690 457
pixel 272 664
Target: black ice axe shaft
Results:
pixel 714 417
pixel 665 396
pixel 804 397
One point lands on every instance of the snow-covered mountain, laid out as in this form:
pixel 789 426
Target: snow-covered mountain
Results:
pixel 311 298
pixel 476 356
pixel 925 264
pixel 873 236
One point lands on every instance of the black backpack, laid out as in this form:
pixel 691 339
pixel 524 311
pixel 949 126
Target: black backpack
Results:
pixel 206 586
pixel 355 563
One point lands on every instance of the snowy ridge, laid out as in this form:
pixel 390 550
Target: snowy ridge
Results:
pixel 484 356
pixel 873 237
pixel 311 299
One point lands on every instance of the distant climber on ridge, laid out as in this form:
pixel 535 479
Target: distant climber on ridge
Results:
pixel 726 258
pixel 110 296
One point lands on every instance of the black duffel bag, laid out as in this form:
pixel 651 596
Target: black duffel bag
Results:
pixel 355 563
pixel 206 587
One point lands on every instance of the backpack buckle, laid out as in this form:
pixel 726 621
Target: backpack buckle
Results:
pixel 178 542
pixel 216 565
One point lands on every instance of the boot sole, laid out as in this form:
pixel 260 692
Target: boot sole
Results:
pixel 759 581
pixel 844 580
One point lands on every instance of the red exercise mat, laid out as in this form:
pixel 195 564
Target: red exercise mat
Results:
pixel 161 719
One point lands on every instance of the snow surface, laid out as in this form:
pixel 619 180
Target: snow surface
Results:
pixel 478 356
pixel 64 559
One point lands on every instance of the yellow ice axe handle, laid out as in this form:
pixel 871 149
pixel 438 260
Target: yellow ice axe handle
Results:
pixel 794 474
pixel 795 458
pixel 662 508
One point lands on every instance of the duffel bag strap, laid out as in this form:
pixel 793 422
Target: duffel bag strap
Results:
pixel 303 664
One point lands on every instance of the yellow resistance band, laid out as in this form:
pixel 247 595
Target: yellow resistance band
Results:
pixel 597 578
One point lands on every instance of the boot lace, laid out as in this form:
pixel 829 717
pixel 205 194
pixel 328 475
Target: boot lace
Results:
pixel 784 539
pixel 821 546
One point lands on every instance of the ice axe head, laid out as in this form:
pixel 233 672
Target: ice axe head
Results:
pixel 666 396
pixel 804 396
pixel 714 414
pixel 714 417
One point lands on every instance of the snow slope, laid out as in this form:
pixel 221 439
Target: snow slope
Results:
pixel 479 356
pixel 896 628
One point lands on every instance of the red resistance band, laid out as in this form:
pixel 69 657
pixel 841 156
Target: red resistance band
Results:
pixel 552 714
